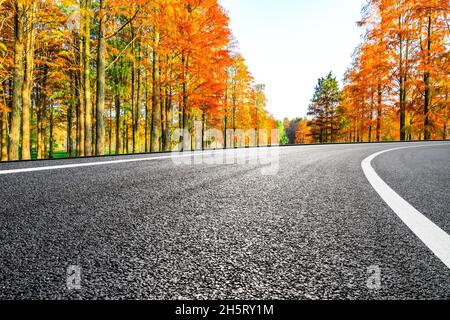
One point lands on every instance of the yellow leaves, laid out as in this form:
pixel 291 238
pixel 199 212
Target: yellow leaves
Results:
pixel 4 108
pixel 387 76
pixel 3 49
pixel 178 48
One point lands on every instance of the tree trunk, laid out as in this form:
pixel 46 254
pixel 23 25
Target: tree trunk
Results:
pixel 203 131
pixel 133 89
pixel 81 102
pixel 379 111
pixel 69 132
pixel 402 95
pixel 44 144
pixel 69 127
pixel 402 111
pixel 225 120
pixel 147 121
pixel 183 115
pixel 225 137
pixel 14 135
pixel 50 154
pixel 100 103
pixel 4 128
pixel 168 119
pixel 38 134
pixel 233 137
pixel 41 116
pixel 155 99
pixel 446 117
pixel 126 140
pixel 192 121
pixel 124 135
pixel 162 102
pixel 136 105
pixel 117 105
pixel 79 124
pixel 4 145
pixel 87 79
pixel 426 123
pixel 372 108
pixel 28 81
pixel 257 126
pixel 332 128
pixel 110 131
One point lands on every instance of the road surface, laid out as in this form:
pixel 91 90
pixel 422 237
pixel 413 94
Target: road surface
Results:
pixel 307 225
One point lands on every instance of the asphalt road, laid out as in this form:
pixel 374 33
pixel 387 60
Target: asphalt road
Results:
pixel 308 225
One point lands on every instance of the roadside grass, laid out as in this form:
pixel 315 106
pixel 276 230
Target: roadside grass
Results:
pixel 60 154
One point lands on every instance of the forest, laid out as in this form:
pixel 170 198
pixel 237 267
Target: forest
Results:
pixel 86 77
pixel 105 77
pixel 398 86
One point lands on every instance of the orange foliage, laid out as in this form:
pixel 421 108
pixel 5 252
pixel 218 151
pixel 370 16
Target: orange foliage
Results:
pixel 398 85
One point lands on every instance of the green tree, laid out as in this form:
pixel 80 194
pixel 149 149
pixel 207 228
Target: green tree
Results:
pixel 282 136
pixel 324 109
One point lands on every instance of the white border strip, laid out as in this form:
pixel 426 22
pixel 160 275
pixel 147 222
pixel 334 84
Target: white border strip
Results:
pixel 436 239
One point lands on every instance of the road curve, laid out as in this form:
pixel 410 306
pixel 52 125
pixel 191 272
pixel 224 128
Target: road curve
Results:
pixel 306 226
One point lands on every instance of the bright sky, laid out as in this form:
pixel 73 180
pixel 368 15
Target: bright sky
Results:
pixel 289 44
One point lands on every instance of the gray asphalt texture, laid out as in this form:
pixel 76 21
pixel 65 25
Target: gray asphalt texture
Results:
pixel 157 230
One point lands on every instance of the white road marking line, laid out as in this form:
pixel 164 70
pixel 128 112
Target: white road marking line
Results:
pixel 101 163
pixel 91 164
pixel 436 239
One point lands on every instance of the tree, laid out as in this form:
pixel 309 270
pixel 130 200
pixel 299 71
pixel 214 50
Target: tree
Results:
pixel 87 14
pixel 399 70
pixel 28 77
pixel 14 136
pixel 100 101
pixel 302 132
pixel 324 108
pixel 156 66
pixel 282 137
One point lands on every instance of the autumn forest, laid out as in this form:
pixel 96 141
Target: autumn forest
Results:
pixel 98 77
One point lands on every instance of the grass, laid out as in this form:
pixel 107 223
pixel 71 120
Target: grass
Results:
pixel 60 154
pixel 56 155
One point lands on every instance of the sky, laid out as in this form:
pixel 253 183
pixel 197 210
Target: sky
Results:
pixel 289 44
